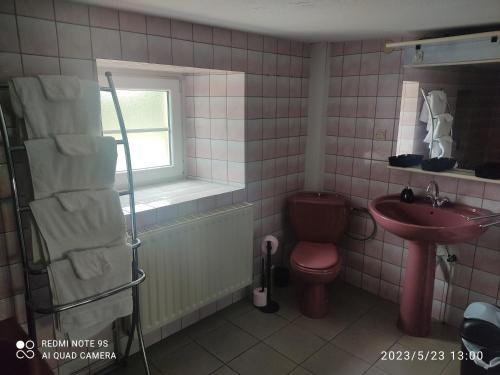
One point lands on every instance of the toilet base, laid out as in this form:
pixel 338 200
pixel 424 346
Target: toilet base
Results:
pixel 314 301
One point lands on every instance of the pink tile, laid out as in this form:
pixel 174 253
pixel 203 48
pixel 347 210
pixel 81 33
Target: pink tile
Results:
pixel 160 49
pixel 158 26
pixel 370 63
pixel 373 45
pixel 203 148
pixel 362 148
pixel 268 127
pixel 218 107
pixel 377 189
pixel 189 107
pixel 492 191
pixel 269 108
pixel 222 36
pixel 269 63
pixel 364 128
pixel 331 145
pixel 336 49
pixel 8 29
pixel 236 130
pixel 268 168
pixel 219 170
pixel 103 17
pixel 181 30
pixel 344 165
pixel 253 85
pixel 335 86
pixel 38 9
pixel 284 46
pixel 222 57
pixel 379 171
pixel 361 168
pixel 296 66
pixel 270 44
pixel 253 108
pixel 203 55
pixel 71 13
pixel 74 41
pixel 37 36
pixel 283 65
pixel 34 65
pixel 390 62
pixel 236 107
pixel 201 106
pixel 333 108
pixel 487 260
pixel 134 46
pixel 201 85
pixel 82 69
pixel 218 85
pixel 347 127
pixel 348 106
pixel 218 129
pixel 296 48
pixel 182 52
pixel 392 254
pixel 282 106
pixel 350 86
pixel 255 42
pixel 269 84
pixel 352 47
pixel 386 107
pixel 204 168
pixel 132 22
pixel 218 149
pixel 238 59
pixel 368 85
pixel 388 85
pixel 202 33
pixel 351 65
pixel 391 273
pixel 366 106
pixel 360 187
pixel 345 146
pixel 202 127
pixel 336 64
pixel 387 126
pixel 238 39
pixel 485 283
pixel 235 85
pixel 255 62
pixel 381 150
pixel 283 87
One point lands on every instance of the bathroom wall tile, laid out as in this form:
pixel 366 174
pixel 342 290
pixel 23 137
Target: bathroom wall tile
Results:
pixel 351 65
pixel 10 65
pixel 202 33
pixel 74 41
pixel 222 36
pixel 37 36
pixel 8 33
pixel 34 65
pixel 105 43
pixel 35 8
pixel 485 283
pixel 182 52
pixel 182 30
pixel 7 6
pixel 83 69
pixel 238 59
pixel 132 22
pixel 222 57
pixel 134 46
pixel 160 49
pixel 203 55
pixel 158 26
pixel 71 12
pixel 104 17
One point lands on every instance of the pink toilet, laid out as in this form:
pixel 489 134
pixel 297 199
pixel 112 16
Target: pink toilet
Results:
pixel 318 221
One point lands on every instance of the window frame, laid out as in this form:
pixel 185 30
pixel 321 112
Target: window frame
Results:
pixel 155 175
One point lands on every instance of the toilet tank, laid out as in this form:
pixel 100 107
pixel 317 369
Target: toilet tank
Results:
pixel 318 217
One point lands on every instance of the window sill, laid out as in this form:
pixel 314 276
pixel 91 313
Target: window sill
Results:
pixel 156 204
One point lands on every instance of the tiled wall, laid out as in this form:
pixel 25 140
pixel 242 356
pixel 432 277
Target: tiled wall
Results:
pixel 215 127
pixel 364 97
pixel 59 37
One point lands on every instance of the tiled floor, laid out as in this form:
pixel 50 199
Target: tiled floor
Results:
pixel 349 341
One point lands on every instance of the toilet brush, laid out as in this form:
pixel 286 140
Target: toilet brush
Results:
pixel 271 306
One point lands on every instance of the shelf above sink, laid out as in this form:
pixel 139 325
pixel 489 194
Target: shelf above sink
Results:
pixel 464 174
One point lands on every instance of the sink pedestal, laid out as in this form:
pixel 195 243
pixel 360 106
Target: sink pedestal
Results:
pixel 415 312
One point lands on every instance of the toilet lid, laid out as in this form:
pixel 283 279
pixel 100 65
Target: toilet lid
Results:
pixel 315 255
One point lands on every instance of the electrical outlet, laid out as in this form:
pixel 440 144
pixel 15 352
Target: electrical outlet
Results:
pixel 380 135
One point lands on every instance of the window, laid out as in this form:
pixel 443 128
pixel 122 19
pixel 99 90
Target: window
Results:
pixel 151 111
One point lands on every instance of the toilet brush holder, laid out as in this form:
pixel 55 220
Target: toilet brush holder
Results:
pixel 271 244
pixel 260 297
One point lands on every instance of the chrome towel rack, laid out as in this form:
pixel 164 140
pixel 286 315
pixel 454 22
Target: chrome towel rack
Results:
pixel 490 216
pixel 138 275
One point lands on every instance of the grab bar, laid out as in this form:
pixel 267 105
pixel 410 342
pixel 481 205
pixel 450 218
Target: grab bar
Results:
pixel 483 217
pixel 96 297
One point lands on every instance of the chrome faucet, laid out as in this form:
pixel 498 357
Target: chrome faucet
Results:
pixel 432 192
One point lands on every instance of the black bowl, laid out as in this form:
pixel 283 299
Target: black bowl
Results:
pixel 488 170
pixel 438 164
pixel 405 160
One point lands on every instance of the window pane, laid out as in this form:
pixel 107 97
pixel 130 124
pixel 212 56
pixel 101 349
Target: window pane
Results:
pixel 141 110
pixel 148 150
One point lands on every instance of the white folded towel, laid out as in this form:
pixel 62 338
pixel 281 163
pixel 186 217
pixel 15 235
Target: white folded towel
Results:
pixel 87 320
pixel 72 169
pixel 60 88
pixel 44 117
pixel 101 224
pixel 90 263
pixel 445 144
pixel 442 127
pixel 76 144
pixel 438 102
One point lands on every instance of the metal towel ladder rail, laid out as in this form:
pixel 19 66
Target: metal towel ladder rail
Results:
pixel 138 275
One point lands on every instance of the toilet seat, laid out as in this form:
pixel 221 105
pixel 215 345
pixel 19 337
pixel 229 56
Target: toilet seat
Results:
pixel 315 256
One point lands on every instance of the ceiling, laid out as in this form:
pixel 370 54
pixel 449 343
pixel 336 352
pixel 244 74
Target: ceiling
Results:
pixel 323 20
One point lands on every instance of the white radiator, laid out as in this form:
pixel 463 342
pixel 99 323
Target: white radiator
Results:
pixel 194 261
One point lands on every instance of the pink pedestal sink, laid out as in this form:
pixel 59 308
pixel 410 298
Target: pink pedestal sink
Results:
pixel 423 226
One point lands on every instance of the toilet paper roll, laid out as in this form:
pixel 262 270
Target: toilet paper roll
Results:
pixel 274 244
pixel 259 298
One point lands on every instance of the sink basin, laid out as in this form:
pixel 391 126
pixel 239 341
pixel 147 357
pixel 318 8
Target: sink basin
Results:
pixel 423 226
pixel 419 221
